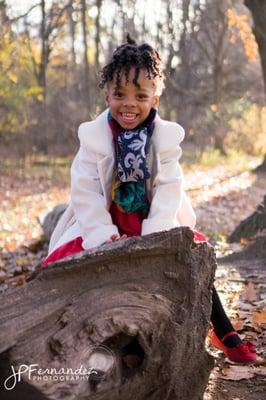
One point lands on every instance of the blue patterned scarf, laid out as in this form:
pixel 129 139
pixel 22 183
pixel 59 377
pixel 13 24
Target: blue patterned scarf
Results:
pixel 131 147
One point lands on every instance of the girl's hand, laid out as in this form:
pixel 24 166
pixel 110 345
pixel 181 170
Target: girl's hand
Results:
pixel 115 237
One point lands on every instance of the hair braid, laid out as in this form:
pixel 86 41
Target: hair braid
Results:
pixel 130 55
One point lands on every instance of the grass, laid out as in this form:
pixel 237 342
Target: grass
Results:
pixel 209 158
pixel 57 168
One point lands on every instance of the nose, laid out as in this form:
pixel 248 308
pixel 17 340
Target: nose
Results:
pixel 130 101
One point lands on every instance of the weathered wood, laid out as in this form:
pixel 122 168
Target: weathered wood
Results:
pixel 51 220
pixel 147 300
pixel 252 258
pixel 250 226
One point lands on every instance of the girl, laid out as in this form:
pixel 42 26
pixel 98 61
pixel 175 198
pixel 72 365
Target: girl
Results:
pixel 126 179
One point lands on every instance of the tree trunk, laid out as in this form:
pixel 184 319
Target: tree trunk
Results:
pixel 184 109
pixel 97 36
pixel 250 226
pixel 258 11
pixel 72 31
pixel 85 53
pixel 41 140
pixel 262 167
pixel 5 23
pixel 136 312
pixel 44 51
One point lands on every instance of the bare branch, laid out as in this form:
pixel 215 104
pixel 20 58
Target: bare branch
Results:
pixel 25 14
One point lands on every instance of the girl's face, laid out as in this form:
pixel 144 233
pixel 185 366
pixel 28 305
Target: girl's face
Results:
pixel 130 105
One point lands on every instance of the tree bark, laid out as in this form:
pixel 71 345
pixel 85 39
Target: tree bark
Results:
pixel 85 52
pixel 97 36
pixel 136 311
pixel 250 226
pixel 44 51
pixel 258 11
pixel 42 140
pixel 72 31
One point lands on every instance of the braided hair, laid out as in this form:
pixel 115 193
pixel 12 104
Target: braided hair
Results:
pixel 130 55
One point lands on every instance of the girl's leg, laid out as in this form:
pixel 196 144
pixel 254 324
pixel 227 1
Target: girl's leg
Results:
pixel 221 323
pixel 224 337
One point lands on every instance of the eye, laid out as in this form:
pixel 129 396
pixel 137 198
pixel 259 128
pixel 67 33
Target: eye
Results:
pixel 118 94
pixel 142 96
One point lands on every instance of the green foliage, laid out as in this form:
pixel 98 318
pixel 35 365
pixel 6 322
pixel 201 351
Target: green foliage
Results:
pixel 210 157
pixel 248 131
pixel 38 167
pixel 209 89
pixel 16 88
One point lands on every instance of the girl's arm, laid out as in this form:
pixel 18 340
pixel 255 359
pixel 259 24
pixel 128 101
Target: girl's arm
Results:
pixel 88 201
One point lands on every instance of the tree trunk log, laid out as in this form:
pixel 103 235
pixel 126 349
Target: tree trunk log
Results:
pixel 135 312
pixel 250 226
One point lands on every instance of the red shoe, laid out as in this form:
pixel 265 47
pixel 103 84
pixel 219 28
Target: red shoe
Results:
pixel 242 353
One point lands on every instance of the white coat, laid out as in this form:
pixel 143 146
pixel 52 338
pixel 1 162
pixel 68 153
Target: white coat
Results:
pixel 91 179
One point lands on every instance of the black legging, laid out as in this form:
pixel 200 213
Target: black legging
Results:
pixel 219 319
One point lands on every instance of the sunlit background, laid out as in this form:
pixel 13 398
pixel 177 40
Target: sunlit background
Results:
pixel 50 62
pixel 51 52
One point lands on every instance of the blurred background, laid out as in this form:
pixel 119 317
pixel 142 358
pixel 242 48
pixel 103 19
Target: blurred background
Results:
pixel 214 54
pixel 51 53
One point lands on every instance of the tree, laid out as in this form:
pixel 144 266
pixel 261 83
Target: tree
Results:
pixel 72 31
pixel 85 52
pixel 52 21
pixel 256 222
pixel 258 11
pixel 98 33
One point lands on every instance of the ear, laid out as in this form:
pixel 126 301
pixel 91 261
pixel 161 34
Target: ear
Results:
pixel 106 97
pixel 155 102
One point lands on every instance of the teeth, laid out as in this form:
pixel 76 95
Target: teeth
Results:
pixel 128 115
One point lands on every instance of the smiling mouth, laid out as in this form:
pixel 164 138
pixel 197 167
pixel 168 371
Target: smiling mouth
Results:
pixel 129 117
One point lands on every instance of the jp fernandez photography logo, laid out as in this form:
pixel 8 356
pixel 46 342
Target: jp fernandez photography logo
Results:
pixel 100 364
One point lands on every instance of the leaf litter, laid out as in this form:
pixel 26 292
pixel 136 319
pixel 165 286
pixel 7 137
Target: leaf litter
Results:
pixel 220 205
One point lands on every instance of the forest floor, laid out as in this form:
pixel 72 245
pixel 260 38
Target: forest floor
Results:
pixel 222 199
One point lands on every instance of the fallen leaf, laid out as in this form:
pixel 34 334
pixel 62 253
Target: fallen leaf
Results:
pixel 250 292
pixel 20 280
pixel 259 319
pixel 245 306
pixel 20 261
pixel 2 276
pixel 10 246
pixel 262 362
pixel 237 372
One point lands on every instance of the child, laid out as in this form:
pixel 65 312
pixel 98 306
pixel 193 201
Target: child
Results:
pixel 126 179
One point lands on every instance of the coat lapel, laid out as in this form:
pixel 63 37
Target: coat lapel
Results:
pixel 105 169
pixel 104 147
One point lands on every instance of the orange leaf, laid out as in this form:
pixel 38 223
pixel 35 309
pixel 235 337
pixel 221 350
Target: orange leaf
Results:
pixel 259 319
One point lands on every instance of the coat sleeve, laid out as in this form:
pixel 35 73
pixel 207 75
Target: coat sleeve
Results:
pixel 87 199
pixel 167 191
